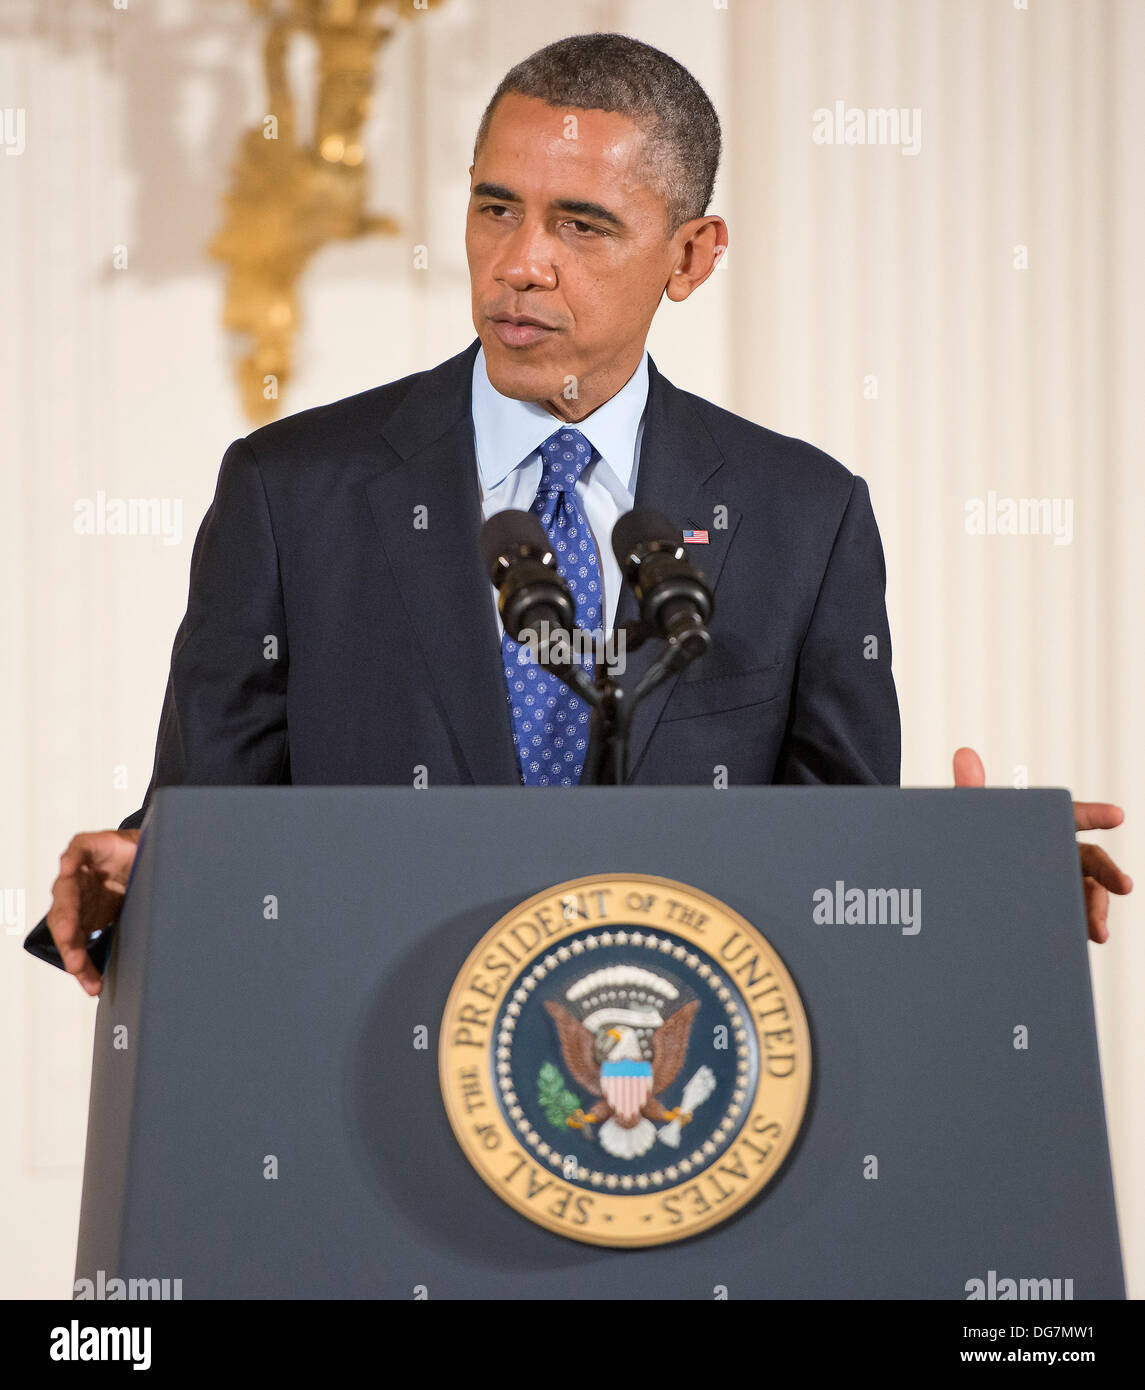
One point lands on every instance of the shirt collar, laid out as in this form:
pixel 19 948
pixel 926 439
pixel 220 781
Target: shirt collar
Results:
pixel 508 432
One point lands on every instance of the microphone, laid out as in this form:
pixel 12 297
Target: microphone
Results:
pixel 674 597
pixel 519 560
pixel 533 597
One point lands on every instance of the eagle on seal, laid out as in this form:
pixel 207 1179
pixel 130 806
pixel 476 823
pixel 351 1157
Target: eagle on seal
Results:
pixel 612 1062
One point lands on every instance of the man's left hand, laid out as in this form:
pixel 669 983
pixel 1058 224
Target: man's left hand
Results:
pixel 1100 876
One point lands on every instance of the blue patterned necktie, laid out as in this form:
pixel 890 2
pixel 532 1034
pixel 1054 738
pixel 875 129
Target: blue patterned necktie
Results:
pixel 550 723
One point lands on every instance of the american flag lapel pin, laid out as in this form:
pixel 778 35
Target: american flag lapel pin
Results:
pixel 692 537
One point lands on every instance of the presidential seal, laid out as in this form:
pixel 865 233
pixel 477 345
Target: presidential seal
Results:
pixel 625 1060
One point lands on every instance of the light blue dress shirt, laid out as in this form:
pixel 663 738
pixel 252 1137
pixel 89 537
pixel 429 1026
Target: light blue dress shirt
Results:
pixel 508 434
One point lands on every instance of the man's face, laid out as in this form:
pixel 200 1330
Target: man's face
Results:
pixel 562 231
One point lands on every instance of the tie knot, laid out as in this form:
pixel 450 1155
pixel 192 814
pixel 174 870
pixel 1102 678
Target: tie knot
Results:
pixel 564 457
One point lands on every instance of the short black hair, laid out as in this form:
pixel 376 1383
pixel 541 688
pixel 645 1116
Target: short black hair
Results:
pixel 612 72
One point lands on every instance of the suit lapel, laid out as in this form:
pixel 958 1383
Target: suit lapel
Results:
pixel 678 475
pixel 437 567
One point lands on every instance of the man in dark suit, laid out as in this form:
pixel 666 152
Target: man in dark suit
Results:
pixel 340 626
pixel 329 639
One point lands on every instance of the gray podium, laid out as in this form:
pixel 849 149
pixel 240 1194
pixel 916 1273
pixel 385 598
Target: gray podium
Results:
pixel 225 1038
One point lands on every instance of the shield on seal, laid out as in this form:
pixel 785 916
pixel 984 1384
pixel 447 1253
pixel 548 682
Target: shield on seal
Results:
pixel 626 1086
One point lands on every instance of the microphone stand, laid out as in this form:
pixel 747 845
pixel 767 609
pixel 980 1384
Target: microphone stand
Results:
pixel 612 714
pixel 614 711
pixel 612 707
pixel 612 719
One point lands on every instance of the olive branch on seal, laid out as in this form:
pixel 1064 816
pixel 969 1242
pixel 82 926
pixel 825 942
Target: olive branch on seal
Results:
pixel 556 1100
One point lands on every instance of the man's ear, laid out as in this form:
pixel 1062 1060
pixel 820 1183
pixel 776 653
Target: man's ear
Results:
pixel 706 241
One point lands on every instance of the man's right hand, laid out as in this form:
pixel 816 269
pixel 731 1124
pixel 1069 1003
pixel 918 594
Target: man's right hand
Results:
pixel 88 895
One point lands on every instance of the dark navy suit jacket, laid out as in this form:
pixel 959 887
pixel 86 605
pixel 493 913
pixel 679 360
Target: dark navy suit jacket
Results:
pixel 388 658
